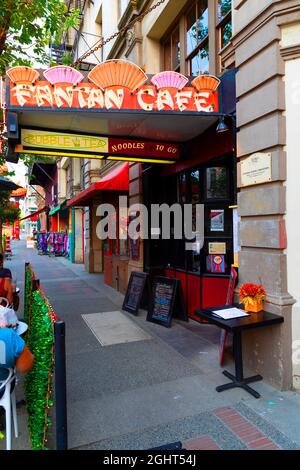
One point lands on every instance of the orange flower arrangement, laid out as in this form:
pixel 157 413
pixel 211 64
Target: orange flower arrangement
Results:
pixel 251 293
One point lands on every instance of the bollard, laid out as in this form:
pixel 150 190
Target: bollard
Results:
pixel 60 387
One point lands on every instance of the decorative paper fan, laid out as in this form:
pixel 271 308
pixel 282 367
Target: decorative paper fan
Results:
pixel 118 73
pixel 206 82
pixel 63 74
pixel 22 75
pixel 169 79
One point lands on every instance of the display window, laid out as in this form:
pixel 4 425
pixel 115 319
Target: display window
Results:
pixel 212 185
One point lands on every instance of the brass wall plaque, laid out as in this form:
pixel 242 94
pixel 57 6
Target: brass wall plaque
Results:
pixel 256 169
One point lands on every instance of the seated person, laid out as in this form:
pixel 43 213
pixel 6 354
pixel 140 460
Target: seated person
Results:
pixel 11 346
pixel 4 272
pixel 6 289
pixel 12 350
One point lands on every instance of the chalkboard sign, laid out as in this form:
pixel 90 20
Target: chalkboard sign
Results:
pixel 137 293
pixel 167 301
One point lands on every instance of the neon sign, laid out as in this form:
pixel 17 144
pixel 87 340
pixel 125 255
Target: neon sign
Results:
pixel 86 96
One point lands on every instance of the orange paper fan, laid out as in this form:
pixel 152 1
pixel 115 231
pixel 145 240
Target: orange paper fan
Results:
pixel 118 73
pixel 22 75
pixel 206 83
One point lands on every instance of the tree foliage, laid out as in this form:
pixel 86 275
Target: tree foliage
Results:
pixel 8 211
pixel 28 26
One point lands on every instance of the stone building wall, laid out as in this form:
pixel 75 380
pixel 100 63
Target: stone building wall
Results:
pixel 262 127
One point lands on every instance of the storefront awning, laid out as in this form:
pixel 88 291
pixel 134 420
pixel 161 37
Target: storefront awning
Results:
pixel 58 208
pixel 162 126
pixel 34 214
pixel 116 100
pixel 19 193
pixel 41 173
pixel 116 180
pixel 7 184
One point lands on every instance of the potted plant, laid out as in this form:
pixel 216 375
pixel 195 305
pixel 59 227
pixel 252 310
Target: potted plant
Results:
pixel 252 296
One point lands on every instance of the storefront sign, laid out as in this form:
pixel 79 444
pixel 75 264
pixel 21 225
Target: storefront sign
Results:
pixel 256 169
pixel 216 248
pixel 75 145
pixel 35 139
pixel 143 148
pixel 87 96
pixel 137 291
pixel 167 301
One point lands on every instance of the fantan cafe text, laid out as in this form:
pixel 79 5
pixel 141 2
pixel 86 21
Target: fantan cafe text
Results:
pixel 87 96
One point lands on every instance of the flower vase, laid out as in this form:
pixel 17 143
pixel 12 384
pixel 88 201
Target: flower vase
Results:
pixel 255 307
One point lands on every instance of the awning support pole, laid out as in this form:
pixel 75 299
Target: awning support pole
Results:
pixel 45 172
pixel 32 187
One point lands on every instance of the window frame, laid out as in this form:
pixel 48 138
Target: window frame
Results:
pixel 170 37
pixel 201 45
pixel 220 26
pixel 121 12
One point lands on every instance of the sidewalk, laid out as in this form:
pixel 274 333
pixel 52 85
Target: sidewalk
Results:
pixel 148 386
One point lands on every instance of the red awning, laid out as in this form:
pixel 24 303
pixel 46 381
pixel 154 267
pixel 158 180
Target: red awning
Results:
pixel 20 192
pixel 116 180
pixel 34 214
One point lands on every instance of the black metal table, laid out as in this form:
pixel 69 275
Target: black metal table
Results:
pixel 237 326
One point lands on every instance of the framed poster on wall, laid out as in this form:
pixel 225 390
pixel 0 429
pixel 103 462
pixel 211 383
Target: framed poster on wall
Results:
pixel 217 248
pixel 217 220
pixel 216 264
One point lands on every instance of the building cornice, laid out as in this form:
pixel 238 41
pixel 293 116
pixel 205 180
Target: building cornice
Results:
pixel 227 54
pixel 134 8
pixel 290 53
pixel 283 12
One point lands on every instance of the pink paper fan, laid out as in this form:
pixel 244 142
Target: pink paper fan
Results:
pixel 63 74
pixel 170 80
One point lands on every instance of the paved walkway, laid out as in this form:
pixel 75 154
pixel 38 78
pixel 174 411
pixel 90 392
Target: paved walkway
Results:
pixel 155 390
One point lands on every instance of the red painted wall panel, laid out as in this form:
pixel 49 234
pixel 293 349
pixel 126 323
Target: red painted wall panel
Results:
pixel 170 273
pixel 108 270
pixel 208 146
pixel 194 294
pixel 54 223
pixel 214 291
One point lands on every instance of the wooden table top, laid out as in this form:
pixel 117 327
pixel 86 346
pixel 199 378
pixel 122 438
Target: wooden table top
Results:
pixel 254 320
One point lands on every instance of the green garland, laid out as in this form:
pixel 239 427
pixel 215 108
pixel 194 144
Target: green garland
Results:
pixel 27 295
pixel 38 382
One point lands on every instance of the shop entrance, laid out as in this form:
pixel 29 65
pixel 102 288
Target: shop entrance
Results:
pixel 208 179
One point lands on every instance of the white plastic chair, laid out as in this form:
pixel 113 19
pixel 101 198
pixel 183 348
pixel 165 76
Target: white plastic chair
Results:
pixel 8 402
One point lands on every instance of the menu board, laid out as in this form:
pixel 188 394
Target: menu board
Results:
pixel 167 301
pixel 137 290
